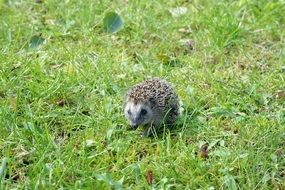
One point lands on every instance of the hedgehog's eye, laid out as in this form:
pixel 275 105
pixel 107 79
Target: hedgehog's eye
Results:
pixel 129 112
pixel 143 112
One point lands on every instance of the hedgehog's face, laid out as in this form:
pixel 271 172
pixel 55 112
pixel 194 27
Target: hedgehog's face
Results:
pixel 138 113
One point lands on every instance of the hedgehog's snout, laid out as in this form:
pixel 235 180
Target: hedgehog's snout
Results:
pixel 135 122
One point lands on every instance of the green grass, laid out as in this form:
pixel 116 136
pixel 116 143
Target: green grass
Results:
pixel 70 90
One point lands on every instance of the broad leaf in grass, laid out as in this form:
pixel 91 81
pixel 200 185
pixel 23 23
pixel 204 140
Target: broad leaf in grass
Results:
pixel 35 41
pixel 112 22
pixel 3 167
pixel 230 182
pixel 112 183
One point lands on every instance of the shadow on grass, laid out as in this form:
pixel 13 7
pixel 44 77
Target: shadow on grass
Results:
pixel 187 124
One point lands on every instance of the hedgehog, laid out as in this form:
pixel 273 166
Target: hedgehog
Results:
pixel 151 103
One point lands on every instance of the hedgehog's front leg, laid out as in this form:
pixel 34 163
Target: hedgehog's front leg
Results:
pixel 150 127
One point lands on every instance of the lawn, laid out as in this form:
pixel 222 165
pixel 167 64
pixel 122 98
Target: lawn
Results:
pixel 63 80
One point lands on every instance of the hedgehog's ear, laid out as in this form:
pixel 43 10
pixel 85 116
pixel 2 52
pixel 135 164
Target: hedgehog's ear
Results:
pixel 152 101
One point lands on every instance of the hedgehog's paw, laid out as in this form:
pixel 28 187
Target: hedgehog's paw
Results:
pixel 150 129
